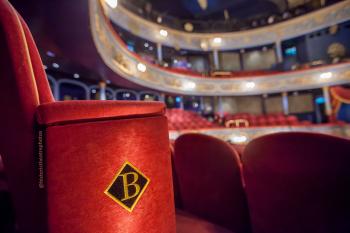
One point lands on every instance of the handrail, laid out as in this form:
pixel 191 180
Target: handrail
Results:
pixel 227 134
pixel 323 18
pixel 125 63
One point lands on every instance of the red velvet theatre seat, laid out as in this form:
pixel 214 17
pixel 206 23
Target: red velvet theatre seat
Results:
pixel 63 158
pixel 298 182
pixel 209 181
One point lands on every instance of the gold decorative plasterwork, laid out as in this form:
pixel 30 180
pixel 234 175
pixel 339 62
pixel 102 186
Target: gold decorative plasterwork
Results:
pixel 326 17
pixel 124 62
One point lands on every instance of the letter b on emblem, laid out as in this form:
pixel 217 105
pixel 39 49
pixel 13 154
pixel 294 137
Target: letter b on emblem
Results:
pixel 127 186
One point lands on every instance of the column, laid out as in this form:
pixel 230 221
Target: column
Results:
pixel 220 107
pixel 328 105
pixel 102 86
pixel 162 97
pixel 216 60
pixel 285 103
pixel 182 106
pixel 279 55
pixel 263 104
pixel 201 104
pixel 159 53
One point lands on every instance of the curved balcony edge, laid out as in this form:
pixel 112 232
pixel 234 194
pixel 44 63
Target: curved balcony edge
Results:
pixel 326 17
pixel 249 134
pixel 125 63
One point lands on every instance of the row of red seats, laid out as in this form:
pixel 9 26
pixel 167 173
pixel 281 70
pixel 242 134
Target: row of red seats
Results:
pixel 284 182
pixel 250 120
pixel 179 119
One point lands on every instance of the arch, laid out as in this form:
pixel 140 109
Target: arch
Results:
pixel 74 82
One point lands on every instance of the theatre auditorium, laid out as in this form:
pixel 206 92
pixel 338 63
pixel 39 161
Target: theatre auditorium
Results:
pixel 175 116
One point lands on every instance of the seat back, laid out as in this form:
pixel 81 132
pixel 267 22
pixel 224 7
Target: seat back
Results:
pixel 298 182
pixel 23 87
pixel 209 179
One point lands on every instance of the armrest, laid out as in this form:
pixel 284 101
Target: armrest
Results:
pixel 63 112
pixel 82 160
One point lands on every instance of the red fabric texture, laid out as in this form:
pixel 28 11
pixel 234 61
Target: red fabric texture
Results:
pixel 298 182
pixel 79 111
pixel 186 223
pixel 210 184
pixel 45 94
pixel 18 98
pixel 86 144
pixel 179 119
pixel 176 188
pixel 341 93
pixel 83 164
pixel 239 148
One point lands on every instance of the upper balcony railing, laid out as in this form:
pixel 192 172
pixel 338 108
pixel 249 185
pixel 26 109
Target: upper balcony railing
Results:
pixel 307 23
pixel 130 66
pixel 212 26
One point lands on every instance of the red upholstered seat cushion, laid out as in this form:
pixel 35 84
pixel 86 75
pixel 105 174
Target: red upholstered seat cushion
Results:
pixel 80 111
pixel 209 181
pixel 187 223
pixel 239 148
pixel 298 182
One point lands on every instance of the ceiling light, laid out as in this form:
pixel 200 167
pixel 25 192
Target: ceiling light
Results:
pixel 163 33
pixel 286 15
pixel 326 75
pixel 141 67
pixel 93 91
pixel 188 27
pixel 76 75
pixel 50 54
pixel 188 85
pixel 271 19
pixel 239 139
pixel 217 40
pixel 204 45
pixel 55 65
pixel 112 3
pixel 146 45
pixel 250 84
pixel 203 4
